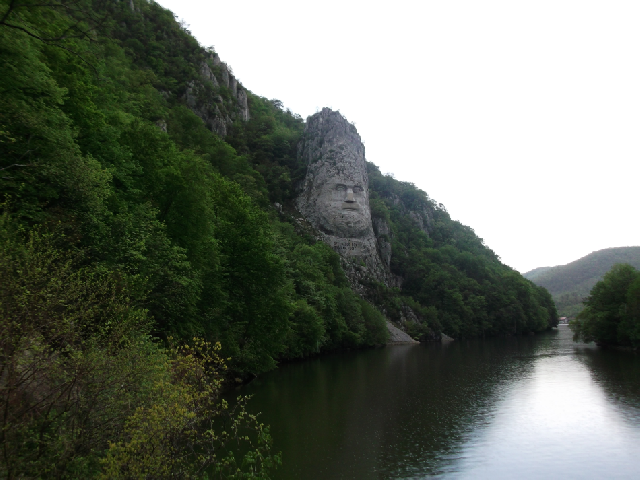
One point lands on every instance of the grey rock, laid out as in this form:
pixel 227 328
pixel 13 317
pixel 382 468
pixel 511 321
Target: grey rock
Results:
pixel 243 103
pixel 233 85
pixel 217 114
pixel 206 110
pixel 207 74
pixel 335 193
pixel 190 96
pixel 218 123
pixel 397 336
pixel 383 235
pixel 215 59
pixel 225 74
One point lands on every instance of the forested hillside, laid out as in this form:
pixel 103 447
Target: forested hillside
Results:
pixel 611 313
pixel 130 224
pixel 570 284
pixel 449 276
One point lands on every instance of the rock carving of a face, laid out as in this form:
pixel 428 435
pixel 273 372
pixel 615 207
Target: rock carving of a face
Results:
pixel 343 207
pixel 335 197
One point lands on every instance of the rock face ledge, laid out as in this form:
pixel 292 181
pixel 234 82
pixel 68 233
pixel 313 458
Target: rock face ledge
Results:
pixel 203 96
pixel 334 196
pixel 397 336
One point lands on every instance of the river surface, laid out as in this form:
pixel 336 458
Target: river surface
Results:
pixel 527 407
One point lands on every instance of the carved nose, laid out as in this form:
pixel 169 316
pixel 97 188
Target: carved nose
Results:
pixel 350 196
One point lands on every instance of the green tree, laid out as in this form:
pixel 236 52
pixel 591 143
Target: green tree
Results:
pixel 610 315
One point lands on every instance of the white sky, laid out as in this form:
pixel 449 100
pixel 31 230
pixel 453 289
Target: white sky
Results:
pixel 521 117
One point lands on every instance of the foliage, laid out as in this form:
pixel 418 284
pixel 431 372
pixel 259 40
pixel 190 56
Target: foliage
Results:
pixel 611 314
pixel 187 431
pixel 80 375
pixel 327 314
pixel 270 140
pixel 570 284
pixel 452 281
pixel 74 356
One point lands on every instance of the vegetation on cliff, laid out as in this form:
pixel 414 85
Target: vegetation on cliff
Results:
pixel 454 282
pixel 126 220
pixel 611 314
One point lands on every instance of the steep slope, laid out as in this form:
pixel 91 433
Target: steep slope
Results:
pixel 572 282
pixel 403 252
pixel 167 172
pixel 445 272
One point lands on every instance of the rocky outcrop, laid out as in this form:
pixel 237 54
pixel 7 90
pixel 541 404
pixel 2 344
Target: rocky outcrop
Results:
pixel 334 197
pixel 383 235
pixel 423 218
pixel 207 74
pixel 397 336
pixel 217 97
pixel 334 201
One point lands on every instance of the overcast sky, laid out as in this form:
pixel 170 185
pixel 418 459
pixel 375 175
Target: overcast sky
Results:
pixel 521 117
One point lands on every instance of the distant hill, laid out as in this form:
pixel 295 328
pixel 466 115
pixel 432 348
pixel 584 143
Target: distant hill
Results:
pixel 569 284
pixel 536 272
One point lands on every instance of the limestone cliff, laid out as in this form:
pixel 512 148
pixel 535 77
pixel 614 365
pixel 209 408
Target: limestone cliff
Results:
pixel 334 200
pixel 216 96
pixel 334 197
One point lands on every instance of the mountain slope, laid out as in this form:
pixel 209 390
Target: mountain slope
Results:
pixel 163 167
pixel 569 284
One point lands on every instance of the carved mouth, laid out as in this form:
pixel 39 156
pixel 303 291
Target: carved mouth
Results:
pixel 350 206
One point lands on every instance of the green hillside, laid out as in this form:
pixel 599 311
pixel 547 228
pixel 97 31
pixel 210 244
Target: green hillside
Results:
pixel 150 250
pixel 570 284
pixel 536 272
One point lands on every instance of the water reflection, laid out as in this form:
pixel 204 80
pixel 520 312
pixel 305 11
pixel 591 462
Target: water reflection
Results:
pixel 556 422
pixel 475 409
pixel 618 374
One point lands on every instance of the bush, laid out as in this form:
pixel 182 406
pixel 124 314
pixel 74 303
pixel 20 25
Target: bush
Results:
pixel 80 376
pixel 611 315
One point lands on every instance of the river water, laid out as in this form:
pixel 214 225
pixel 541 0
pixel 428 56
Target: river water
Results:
pixel 527 407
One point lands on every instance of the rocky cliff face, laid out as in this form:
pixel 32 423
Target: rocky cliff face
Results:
pixel 217 97
pixel 334 196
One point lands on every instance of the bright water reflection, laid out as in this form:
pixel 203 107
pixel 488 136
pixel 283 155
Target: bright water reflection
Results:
pixel 530 407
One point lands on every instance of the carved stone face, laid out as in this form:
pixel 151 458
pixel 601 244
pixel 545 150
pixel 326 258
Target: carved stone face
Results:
pixel 334 196
pixel 343 208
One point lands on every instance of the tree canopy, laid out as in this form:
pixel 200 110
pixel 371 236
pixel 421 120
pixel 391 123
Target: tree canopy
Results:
pixel 611 314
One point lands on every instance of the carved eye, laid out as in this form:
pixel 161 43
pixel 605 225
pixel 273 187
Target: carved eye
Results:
pixel 341 187
pixel 357 189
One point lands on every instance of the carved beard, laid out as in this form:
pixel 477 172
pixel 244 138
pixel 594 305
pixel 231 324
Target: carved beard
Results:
pixel 344 223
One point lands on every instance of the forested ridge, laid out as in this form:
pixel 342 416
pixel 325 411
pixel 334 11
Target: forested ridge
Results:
pixel 143 260
pixel 570 284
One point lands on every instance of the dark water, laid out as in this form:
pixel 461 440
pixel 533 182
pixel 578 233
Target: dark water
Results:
pixel 532 407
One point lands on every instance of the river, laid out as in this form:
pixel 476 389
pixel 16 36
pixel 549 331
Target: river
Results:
pixel 525 407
